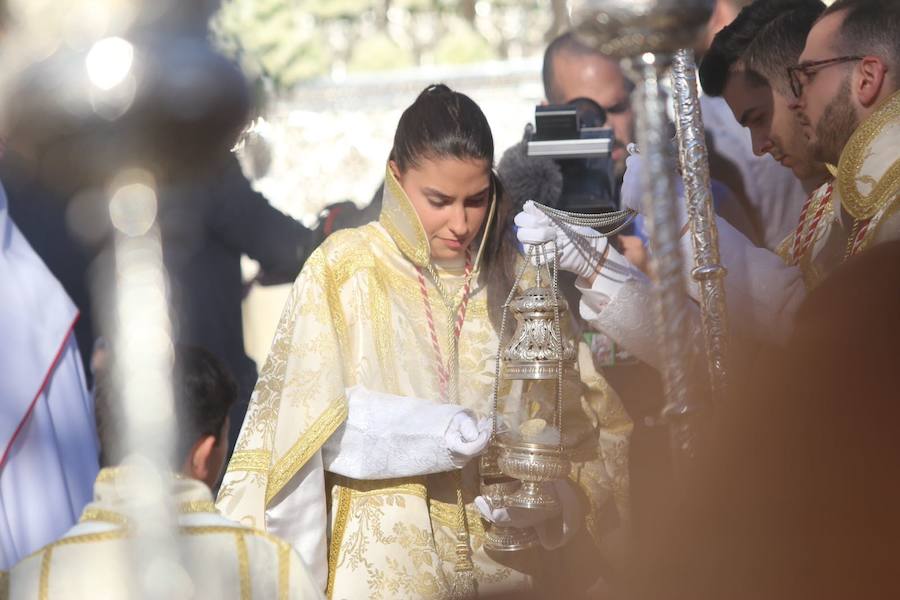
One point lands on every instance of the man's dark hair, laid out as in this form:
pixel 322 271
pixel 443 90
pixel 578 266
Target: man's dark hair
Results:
pixel 564 43
pixel 870 27
pixel 767 37
pixel 204 391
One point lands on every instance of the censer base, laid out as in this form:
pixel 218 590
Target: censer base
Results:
pixel 534 495
pixel 509 539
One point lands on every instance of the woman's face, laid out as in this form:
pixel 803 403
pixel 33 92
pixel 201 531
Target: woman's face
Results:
pixel 451 197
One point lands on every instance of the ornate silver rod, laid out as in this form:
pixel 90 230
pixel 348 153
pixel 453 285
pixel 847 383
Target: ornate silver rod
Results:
pixel 662 212
pixel 708 271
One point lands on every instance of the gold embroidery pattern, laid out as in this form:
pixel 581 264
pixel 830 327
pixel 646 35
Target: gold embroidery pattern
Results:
pixel 381 327
pixel 44 581
pixel 243 565
pixel 197 506
pixel 257 461
pixel 306 446
pixel 110 516
pixel 284 570
pixel 447 514
pixel 856 152
pixel 44 585
pixel 414 486
pixel 332 294
pixel 4 585
pixel 341 515
pixel 110 474
pixel 103 515
pixel 874 225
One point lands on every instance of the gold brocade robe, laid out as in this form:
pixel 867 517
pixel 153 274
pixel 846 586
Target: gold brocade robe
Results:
pixel 867 187
pixel 221 559
pixel 356 316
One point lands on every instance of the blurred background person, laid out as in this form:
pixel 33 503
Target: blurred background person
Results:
pixel 208 222
pixel 223 559
pixel 797 490
pixel 47 435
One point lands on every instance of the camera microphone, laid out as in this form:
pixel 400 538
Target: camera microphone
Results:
pixel 530 178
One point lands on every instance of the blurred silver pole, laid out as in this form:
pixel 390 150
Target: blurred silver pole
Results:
pixel 142 363
pixel 708 271
pixel 665 230
pixel 646 34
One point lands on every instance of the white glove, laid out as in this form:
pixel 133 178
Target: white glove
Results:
pixel 553 530
pixel 633 188
pixel 467 438
pixel 580 250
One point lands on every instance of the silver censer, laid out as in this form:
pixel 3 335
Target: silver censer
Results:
pixel 531 447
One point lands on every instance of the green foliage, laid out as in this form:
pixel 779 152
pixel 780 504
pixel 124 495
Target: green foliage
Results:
pixel 379 53
pixel 283 42
pixel 332 9
pixel 461 45
pixel 271 40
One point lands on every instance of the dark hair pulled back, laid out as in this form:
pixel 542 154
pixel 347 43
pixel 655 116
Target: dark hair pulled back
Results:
pixel 442 123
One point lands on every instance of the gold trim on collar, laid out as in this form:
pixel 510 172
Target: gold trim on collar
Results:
pixel 400 220
pixel 105 515
pixel 856 152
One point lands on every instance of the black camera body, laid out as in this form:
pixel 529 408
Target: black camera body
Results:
pixel 574 137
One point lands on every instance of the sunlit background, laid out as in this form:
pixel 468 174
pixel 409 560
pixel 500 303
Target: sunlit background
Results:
pixel 331 78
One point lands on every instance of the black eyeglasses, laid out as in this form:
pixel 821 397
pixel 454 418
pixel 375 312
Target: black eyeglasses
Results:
pixel 805 70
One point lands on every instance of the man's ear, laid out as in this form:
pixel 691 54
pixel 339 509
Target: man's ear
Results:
pixel 870 80
pixel 198 463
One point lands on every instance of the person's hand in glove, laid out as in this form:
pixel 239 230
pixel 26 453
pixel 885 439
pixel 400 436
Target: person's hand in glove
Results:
pixel 553 530
pixel 580 250
pixel 467 438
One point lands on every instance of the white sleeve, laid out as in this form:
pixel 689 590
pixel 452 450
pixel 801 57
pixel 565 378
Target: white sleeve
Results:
pixel 761 291
pixel 620 304
pixel 298 515
pixel 762 295
pixel 387 436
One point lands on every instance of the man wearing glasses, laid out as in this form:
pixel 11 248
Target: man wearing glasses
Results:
pixel 847 100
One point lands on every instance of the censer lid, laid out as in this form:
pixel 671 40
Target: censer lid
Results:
pixel 535 351
pixel 537 299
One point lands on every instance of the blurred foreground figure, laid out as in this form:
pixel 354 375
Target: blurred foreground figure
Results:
pixel 798 498
pixel 47 434
pixel 221 559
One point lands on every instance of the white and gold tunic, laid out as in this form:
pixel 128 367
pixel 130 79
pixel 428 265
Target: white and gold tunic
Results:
pixel 221 559
pixel 356 316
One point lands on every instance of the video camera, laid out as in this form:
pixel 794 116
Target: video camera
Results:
pixel 573 135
